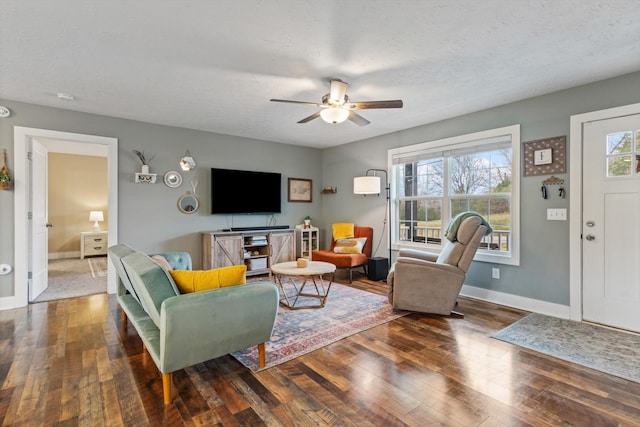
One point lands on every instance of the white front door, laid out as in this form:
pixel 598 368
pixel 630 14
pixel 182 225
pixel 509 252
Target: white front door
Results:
pixel 611 222
pixel 39 225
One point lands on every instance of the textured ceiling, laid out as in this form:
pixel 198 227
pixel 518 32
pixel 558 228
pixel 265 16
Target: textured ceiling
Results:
pixel 214 65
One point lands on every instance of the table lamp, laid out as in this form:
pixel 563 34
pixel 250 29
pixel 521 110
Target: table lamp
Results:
pixel 96 216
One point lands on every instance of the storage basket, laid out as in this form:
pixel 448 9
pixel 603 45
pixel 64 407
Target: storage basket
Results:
pixel 256 263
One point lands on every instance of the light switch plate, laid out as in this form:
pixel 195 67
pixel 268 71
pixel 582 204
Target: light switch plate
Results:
pixel 556 214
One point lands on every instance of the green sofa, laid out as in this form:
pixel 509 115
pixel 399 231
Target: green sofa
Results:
pixel 180 330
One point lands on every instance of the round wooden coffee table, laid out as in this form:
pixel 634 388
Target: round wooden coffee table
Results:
pixel 285 273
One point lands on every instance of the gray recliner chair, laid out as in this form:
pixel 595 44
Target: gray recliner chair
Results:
pixel 430 283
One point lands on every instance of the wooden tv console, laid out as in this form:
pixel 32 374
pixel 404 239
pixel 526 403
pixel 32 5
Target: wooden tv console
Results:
pixel 258 249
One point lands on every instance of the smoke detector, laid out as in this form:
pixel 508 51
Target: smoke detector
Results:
pixel 65 96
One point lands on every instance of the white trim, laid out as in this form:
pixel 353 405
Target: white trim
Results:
pixel 575 202
pixel 64 255
pixel 467 140
pixel 21 140
pixel 515 301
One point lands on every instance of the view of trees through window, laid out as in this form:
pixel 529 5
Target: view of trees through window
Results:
pixel 622 149
pixel 432 191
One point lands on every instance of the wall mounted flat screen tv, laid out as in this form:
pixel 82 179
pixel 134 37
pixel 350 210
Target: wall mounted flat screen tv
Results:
pixel 245 192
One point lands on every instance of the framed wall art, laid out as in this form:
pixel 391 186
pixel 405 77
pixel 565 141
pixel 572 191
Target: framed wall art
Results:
pixel 544 156
pixel 299 190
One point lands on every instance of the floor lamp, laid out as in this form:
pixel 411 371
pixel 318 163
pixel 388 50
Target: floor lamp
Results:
pixel 370 184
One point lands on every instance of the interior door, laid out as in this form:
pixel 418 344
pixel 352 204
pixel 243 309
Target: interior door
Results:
pixel 611 222
pixel 39 223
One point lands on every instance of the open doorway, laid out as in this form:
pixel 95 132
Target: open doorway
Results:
pixel 27 254
pixel 76 189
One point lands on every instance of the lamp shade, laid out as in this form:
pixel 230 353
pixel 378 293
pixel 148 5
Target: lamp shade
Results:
pixel 366 185
pixel 334 115
pixel 96 216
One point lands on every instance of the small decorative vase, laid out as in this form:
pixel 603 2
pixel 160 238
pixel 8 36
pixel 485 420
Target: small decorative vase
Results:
pixel 145 169
pixel 307 223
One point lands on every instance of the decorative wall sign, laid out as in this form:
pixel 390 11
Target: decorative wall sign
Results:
pixel 544 156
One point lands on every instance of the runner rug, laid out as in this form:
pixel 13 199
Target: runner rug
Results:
pixel 297 332
pixel 606 350
pixel 98 266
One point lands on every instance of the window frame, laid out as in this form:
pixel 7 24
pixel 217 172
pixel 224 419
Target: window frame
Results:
pixel 476 139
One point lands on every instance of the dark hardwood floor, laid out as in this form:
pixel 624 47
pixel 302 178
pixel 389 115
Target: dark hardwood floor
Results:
pixel 73 362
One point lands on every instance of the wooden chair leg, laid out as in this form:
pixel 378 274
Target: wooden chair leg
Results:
pixel 262 356
pixel 166 388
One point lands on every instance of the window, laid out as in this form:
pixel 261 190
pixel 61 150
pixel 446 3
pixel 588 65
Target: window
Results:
pixel 434 181
pixel 622 147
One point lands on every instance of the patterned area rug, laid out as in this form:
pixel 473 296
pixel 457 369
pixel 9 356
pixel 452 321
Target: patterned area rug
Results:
pixel 297 332
pixel 596 347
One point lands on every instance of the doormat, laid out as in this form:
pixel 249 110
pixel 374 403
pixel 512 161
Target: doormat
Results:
pixel 297 332
pixel 606 350
pixel 98 266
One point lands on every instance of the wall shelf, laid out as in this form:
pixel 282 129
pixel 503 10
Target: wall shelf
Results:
pixel 329 190
pixel 146 178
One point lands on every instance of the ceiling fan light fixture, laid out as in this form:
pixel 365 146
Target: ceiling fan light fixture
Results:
pixel 334 115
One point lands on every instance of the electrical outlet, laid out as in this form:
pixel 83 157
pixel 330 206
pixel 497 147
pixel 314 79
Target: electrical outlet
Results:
pixel 495 273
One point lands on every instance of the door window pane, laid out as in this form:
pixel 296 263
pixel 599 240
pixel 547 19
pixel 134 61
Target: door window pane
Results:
pixel 619 142
pixel 619 166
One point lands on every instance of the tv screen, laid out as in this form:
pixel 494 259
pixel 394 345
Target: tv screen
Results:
pixel 244 192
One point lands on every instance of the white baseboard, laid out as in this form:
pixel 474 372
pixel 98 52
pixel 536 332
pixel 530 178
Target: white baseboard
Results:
pixel 64 255
pixel 515 301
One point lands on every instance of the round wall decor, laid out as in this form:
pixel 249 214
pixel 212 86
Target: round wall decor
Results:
pixel 172 179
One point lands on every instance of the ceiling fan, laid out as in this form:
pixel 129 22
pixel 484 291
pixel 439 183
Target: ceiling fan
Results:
pixel 336 107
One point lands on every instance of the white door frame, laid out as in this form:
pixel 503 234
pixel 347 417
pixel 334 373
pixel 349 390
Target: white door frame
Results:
pixel 575 199
pixel 22 137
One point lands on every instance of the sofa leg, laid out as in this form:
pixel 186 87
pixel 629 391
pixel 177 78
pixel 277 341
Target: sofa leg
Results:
pixel 166 388
pixel 124 315
pixel 262 357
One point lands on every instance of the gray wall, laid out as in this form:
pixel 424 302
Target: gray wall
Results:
pixel 149 219
pixel 148 216
pixel 543 273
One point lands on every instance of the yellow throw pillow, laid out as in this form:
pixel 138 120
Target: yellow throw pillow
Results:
pixel 342 230
pixel 350 246
pixel 202 280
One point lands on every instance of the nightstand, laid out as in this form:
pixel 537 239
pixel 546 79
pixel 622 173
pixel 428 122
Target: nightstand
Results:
pixel 93 243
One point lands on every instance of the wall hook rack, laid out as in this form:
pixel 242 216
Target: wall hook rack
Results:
pixel 552 180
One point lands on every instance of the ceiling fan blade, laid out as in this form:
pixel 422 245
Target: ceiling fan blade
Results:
pixel 358 119
pixel 298 102
pixel 311 117
pixel 337 91
pixel 367 105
